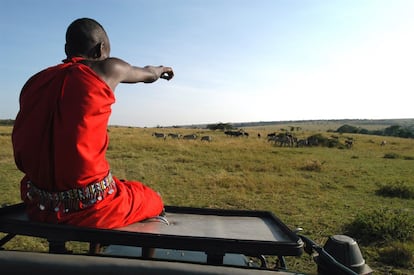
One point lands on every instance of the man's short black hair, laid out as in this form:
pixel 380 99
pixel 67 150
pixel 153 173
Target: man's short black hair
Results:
pixel 82 35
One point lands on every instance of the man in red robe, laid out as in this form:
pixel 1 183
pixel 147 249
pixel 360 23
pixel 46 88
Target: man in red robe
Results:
pixel 60 137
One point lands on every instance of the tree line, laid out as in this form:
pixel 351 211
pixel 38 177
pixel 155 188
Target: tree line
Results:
pixel 393 131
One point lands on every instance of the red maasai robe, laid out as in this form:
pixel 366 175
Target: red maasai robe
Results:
pixel 60 140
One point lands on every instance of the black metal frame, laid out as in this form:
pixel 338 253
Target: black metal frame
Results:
pixel 14 222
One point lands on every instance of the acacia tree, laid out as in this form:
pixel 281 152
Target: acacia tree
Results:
pixel 220 126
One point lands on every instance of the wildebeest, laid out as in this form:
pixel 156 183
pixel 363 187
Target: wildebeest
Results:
pixel 313 141
pixel 349 143
pixel 271 135
pixel 272 138
pixel 176 136
pixel 160 135
pixel 206 138
pixel 234 133
pixel 192 136
pixel 302 143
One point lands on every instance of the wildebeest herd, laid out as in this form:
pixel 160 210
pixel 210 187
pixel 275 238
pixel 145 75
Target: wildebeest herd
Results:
pixel 239 133
pixel 287 139
pixel 179 136
pixel 282 139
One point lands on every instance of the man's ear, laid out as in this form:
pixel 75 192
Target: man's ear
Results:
pixel 97 50
pixel 66 49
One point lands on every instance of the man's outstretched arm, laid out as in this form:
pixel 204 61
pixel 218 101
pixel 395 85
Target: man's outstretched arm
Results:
pixel 115 71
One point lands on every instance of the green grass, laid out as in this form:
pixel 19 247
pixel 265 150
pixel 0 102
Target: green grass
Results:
pixel 319 189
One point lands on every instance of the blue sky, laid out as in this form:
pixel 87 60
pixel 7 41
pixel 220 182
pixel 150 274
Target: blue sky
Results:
pixel 234 60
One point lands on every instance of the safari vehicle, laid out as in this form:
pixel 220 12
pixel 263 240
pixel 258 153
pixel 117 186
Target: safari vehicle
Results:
pixel 186 241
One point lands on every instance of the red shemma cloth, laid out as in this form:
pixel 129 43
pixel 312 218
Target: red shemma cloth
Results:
pixel 60 140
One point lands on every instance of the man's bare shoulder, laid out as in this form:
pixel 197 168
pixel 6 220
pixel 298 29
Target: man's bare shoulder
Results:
pixel 114 61
pixel 110 69
pixel 107 65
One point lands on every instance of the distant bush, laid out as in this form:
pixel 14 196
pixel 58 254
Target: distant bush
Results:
pixel 398 131
pixel 332 143
pixel 6 122
pixel 348 129
pixel 314 165
pixel 398 254
pixel 382 225
pixel 391 156
pixel 393 130
pixel 398 190
pixel 220 126
pixel 319 139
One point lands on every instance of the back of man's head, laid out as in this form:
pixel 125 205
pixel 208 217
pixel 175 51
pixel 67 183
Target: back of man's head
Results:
pixel 82 36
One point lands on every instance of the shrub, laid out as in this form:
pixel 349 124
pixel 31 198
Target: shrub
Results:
pixel 382 225
pixel 391 156
pixel 398 254
pixel 332 143
pixel 347 129
pixel 314 165
pixel 398 189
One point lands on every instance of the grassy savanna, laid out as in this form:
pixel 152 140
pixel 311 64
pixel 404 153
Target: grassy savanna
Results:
pixel 319 189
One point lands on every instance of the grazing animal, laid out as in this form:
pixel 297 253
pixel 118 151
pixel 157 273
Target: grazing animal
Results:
pixel 286 140
pixel 302 143
pixel 234 133
pixel 272 138
pixel 313 141
pixel 349 143
pixel 283 139
pixel 176 136
pixel 271 135
pixel 206 138
pixel 159 135
pixel 193 136
pixel 383 143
